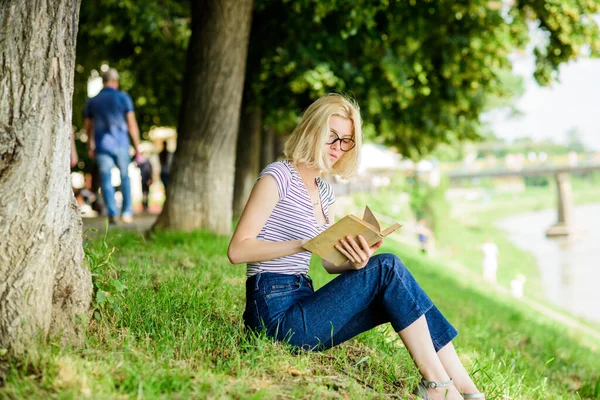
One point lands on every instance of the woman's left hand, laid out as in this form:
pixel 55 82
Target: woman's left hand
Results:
pixel 358 253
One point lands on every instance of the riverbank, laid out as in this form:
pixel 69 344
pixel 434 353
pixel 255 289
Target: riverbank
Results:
pixel 471 219
pixel 474 221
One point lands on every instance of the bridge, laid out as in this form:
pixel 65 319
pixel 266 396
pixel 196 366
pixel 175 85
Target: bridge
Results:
pixel 561 173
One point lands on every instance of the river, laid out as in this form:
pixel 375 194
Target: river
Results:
pixel 570 267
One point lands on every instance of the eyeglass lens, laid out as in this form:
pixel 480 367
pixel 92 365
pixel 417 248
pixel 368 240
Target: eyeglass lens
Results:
pixel 346 144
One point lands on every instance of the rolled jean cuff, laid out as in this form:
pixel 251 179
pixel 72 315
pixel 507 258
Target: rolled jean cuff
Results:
pixel 442 332
pixel 408 318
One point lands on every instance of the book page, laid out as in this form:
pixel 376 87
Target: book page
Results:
pixel 369 217
pixel 323 244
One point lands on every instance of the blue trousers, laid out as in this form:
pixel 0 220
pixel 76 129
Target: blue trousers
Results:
pixel 288 308
pixel 106 161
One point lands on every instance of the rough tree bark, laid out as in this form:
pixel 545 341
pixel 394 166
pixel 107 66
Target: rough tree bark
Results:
pixel 279 146
pixel 247 160
pixel 44 287
pixel 267 150
pixel 201 183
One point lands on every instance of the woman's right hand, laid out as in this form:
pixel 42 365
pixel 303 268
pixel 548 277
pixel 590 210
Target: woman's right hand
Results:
pixel 358 254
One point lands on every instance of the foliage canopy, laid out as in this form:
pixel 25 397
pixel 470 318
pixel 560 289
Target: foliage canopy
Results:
pixel 423 71
pixel 146 43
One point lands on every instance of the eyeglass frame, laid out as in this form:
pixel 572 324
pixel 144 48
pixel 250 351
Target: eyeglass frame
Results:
pixel 342 141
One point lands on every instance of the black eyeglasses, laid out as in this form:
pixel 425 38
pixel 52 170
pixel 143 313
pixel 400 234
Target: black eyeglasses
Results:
pixel 346 144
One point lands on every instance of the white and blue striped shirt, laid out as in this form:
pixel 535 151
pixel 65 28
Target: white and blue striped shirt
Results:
pixel 291 219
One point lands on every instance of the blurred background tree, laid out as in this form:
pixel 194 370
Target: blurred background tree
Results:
pixel 146 43
pixel 423 71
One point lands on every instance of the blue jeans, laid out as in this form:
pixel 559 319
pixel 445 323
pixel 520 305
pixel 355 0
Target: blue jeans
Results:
pixel 288 308
pixel 106 161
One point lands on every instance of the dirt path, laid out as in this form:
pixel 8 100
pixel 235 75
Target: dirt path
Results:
pixel 96 226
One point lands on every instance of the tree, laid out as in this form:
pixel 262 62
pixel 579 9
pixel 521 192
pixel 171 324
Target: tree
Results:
pixel 146 42
pixel 201 182
pixel 247 159
pixel 422 70
pixel 44 285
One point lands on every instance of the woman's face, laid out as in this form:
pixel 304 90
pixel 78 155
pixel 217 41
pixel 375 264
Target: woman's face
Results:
pixel 341 128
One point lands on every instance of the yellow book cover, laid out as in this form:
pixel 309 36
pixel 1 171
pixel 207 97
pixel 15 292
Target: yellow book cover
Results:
pixel 351 225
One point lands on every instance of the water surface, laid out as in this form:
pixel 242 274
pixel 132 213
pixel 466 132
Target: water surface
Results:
pixel 570 267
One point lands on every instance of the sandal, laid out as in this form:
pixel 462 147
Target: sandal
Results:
pixel 473 395
pixel 421 389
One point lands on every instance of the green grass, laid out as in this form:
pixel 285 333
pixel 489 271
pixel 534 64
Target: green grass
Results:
pixel 176 332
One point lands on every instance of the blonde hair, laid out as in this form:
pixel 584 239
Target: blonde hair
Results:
pixel 308 139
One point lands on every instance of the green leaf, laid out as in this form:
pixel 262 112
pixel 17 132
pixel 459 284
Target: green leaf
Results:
pixel 100 297
pixel 362 360
pixel 117 285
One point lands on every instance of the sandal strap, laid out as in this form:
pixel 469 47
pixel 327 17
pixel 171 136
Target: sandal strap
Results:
pixel 433 384
pixel 473 395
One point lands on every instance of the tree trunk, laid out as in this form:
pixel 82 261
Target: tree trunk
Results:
pixel 43 285
pixel 267 154
pixel 247 160
pixel 201 184
pixel 279 146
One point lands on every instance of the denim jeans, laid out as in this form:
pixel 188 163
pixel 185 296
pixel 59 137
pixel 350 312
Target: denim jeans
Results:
pixel 106 161
pixel 288 308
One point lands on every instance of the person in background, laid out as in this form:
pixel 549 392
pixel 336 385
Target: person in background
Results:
pixel 109 121
pixel 424 235
pixel 74 158
pixel 166 159
pixel 490 260
pixel 517 286
pixel 291 204
pixel 145 167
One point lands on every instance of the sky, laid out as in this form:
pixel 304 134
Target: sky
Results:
pixel 549 112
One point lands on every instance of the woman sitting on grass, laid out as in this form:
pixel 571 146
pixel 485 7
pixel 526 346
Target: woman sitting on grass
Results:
pixel 289 205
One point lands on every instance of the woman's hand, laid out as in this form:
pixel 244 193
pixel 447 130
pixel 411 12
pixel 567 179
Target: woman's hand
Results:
pixel 358 253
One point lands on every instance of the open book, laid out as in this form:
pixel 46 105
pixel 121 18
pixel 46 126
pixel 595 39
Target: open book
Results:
pixel 350 225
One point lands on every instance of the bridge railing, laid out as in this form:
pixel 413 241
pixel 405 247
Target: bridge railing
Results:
pixel 524 170
pixel 518 162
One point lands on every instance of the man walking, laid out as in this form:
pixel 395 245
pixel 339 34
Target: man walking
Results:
pixel 109 121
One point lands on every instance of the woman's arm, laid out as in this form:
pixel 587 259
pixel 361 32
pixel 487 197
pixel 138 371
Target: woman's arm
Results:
pixel 333 269
pixel 74 158
pixel 244 247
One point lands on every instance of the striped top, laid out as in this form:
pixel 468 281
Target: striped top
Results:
pixel 292 218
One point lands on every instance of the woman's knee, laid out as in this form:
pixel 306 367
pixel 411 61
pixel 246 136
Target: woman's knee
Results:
pixel 389 260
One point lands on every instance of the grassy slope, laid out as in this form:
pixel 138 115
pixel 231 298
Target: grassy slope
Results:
pixel 180 335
